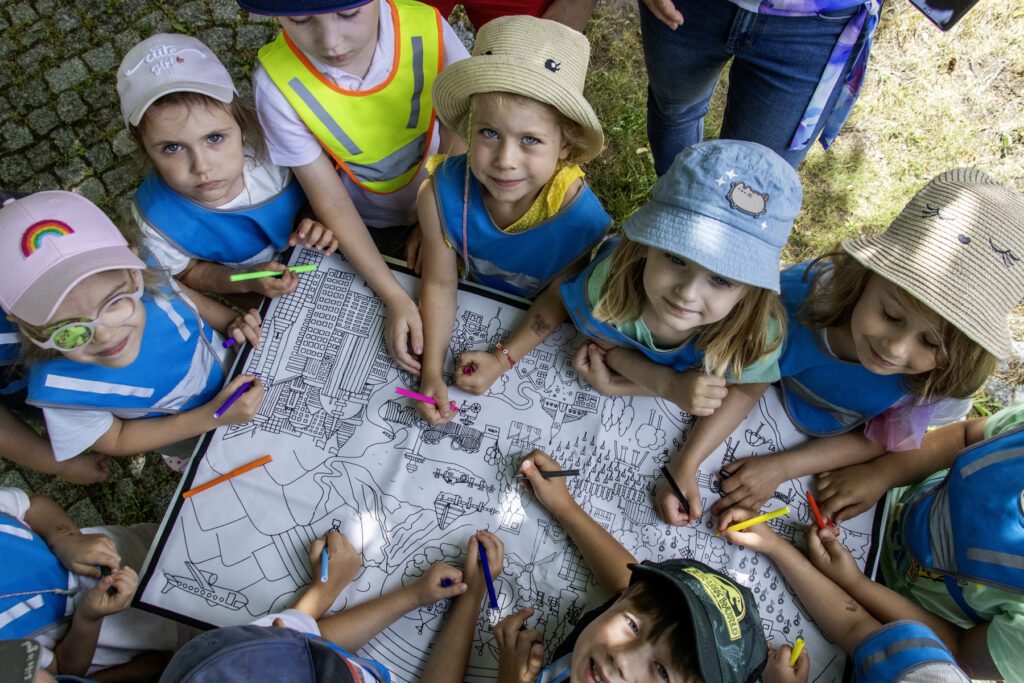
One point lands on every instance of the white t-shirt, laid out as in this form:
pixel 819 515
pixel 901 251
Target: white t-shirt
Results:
pixel 303 623
pixel 126 634
pixel 262 181
pixel 291 144
pixel 72 431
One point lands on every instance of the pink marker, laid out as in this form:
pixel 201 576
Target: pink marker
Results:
pixel 422 397
pixel 468 370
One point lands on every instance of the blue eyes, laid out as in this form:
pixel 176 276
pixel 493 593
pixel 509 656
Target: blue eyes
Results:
pixel 491 134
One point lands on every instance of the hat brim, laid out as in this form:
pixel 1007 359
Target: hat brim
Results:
pixel 292 9
pixel 457 83
pixel 220 93
pixel 37 304
pixel 730 253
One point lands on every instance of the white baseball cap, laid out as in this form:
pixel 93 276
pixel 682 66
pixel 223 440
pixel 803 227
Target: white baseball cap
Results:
pixel 49 242
pixel 166 63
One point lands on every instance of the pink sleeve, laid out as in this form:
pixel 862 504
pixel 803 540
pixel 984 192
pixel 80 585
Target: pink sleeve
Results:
pixel 901 427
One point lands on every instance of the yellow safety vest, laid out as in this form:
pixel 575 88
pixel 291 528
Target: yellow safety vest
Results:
pixel 380 136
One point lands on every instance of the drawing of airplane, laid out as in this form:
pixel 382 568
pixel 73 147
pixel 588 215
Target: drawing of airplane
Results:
pixel 202 585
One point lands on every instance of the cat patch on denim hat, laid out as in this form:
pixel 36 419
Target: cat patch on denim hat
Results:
pixel 744 198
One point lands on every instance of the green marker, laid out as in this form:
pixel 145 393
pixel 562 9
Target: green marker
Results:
pixel 238 277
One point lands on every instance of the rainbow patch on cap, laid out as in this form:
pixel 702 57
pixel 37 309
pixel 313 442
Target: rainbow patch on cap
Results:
pixel 32 239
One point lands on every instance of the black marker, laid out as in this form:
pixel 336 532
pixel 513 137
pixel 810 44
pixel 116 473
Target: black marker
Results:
pixel 104 572
pixel 675 489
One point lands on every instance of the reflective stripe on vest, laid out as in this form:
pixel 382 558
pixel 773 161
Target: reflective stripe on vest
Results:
pixel 10 341
pixel 896 649
pixel 33 583
pixel 387 129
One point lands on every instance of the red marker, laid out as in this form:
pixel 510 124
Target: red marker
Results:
pixel 468 370
pixel 815 510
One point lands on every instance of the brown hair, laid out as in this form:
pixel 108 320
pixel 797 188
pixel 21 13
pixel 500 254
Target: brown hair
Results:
pixel 241 111
pixel 729 345
pixel 573 133
pixel 666 613
pixel 963 365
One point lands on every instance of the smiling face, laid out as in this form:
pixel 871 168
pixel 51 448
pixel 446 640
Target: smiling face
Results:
pixel 114 346
pixel 887 334
pixel 683 297
pixel 197 150
pixel 514 150
pixel 618 647
pixel 345 40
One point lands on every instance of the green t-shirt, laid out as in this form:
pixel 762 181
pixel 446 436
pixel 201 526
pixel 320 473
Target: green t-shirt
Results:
pixel 1004 610
pixel 764 369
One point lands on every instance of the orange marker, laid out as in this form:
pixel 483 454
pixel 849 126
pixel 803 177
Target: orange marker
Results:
pixel 815 510
pixel 230 475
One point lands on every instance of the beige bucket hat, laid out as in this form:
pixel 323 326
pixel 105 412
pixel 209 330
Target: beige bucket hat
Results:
pixel 957 247
pixel 537 58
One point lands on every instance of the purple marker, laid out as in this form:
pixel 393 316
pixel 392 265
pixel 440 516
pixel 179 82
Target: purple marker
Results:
pixel 231 399
pixel 229 342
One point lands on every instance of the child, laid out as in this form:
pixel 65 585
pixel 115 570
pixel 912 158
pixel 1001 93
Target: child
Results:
pixel 115 350
pixel 885 330
pixel 344 96
pixel 70 589
pixel 211 206
pixel 515 207
pixel 306 646
pixel 670 620
pixel 886 646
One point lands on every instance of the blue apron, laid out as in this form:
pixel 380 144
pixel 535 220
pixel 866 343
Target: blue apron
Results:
pixel 33 583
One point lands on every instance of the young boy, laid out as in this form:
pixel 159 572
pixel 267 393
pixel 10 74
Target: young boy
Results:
pixel 344 97
pixel 899 651
pixel 675 620
pixel 300 645
pixel 70 589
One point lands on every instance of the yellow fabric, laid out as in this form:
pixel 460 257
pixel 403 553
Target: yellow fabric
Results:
pixel 377 136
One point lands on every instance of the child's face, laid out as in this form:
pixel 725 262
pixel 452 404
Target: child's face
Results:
pixel 344 40
pixel 197 151
pixel 111 346
pixel 617 646
pixel 515 147
pixel 888 336
pixel 682 297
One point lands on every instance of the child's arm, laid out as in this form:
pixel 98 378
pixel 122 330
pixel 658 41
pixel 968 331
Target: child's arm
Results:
pixel 242 328
pixel 520 650
pixel 331 202
pixel 846 492
pixel 78 552
pixel 73 654
pixel 604 555
pixel 437 306
pixel 707 434
pixel 573 13
pixel 23 446
pixel 543 318
pixel 590 363
pixel 343 564
pixel 206 276
pixel 450 651
pixel 695 392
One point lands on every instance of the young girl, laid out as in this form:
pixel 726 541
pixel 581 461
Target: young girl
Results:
pixel 213 205
pixel 692 286
pixel 116 349
pixel 515 207
pixel 882 332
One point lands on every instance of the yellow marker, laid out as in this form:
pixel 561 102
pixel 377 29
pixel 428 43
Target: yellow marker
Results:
pixel 797 649
pixel 740 526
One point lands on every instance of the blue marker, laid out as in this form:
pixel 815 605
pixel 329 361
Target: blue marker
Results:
pixel 324 562
pixel 446 583
pixel 487 576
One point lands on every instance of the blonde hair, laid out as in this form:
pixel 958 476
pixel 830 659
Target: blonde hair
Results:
pixel 572 132
pixel 241 111
pixel 962 364
pixel 729 345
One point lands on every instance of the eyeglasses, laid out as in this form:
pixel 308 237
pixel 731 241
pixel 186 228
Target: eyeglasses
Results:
pixel 72 334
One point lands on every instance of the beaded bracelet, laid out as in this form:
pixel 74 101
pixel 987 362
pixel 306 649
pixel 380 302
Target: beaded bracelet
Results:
pixel 508 356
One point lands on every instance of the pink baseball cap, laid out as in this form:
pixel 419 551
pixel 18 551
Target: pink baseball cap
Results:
pixel 49 242
pixel 166 63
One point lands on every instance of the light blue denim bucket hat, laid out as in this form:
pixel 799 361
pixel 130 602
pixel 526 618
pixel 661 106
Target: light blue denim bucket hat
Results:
pixel 727 205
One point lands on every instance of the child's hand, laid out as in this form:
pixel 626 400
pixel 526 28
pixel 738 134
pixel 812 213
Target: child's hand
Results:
pixel 830 556
pixel 343 564
pixel 552 493
pixel 847 492
pixel 441 412
pixel 666 11
pixel 473 573
pixel 484 370
pixel 314 235
pixel 85 553
pixel 440 582
pixel 245 406
pixel 246 328
pixel 272 286
pixel 405 334
pixel 84 469
pixel 697 393
pixel 750 483
pixel 590 364
pixel 670 507
pixel 414 250
pixel 759 537
pixel 778 670
pixel 102 602
pixel 520 650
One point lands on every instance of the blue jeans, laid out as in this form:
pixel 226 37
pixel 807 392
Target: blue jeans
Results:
pixel 777 63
